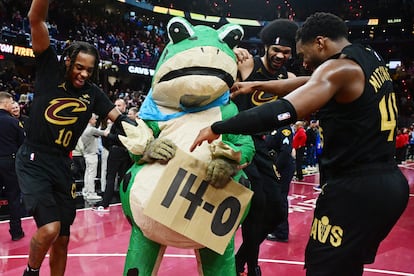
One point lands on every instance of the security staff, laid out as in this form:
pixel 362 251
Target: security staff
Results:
pixel 266 209
pixel 118 161
pixel 11 137
pixel 280 147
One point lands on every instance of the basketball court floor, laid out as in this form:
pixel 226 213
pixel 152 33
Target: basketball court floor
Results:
pixel 99 242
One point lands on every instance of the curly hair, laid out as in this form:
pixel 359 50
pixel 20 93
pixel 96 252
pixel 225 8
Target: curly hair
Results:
pixel 72 52
pixel 280 28
pixel 323 24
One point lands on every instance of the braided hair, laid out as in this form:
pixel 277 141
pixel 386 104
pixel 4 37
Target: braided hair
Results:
pixel 72 52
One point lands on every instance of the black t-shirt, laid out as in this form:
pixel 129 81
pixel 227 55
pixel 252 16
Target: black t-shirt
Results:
pixel 59 112
pixel 259 73
pixel 363 131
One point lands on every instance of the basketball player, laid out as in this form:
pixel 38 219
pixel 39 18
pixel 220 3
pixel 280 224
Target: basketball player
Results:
pixel 363 191
pixel 65 98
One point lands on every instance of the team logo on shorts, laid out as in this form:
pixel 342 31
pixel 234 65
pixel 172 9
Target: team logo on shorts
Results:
pixel 324 232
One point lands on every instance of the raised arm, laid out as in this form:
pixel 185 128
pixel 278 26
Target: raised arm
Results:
pixel 39 32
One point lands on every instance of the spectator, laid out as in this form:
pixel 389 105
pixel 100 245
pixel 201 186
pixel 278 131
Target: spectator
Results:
pixel 23 119
pixel 299 144
pixel 400 146
pixel 89 140
pixel 410 151
pixel 104 126
pixel 118 162
pixel 133 113
pixel 11 138
pixel 311 140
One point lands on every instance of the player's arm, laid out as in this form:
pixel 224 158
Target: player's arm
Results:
pixel 291 75
pixel 331 79
pixel 39 33
pixel 114 114
pixel 277 87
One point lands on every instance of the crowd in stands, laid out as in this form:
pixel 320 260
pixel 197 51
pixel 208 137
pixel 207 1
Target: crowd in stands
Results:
pixel 124 37
pixel 267 10
pixel 119 35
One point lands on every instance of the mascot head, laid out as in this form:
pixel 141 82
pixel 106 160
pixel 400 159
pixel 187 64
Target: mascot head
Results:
pixel 197 66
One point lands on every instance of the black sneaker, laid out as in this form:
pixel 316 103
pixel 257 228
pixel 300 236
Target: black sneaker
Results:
pixel 256 272
pixel 274 237
pixel 31 272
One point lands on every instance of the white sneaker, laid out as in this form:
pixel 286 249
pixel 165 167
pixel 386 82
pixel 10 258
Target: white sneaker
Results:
pixel 101 209
pixel 317 188
pixel 93 196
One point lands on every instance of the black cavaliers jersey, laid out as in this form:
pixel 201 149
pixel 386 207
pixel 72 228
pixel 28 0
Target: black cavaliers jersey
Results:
pixel 60 112
pixel 259 73
pixel 363 131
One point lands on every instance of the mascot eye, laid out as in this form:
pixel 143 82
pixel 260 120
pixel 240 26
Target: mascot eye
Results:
pixel 179 29
pixel 231 34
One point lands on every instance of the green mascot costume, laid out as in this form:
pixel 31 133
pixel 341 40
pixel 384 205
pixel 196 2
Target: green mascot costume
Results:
pixel 190 90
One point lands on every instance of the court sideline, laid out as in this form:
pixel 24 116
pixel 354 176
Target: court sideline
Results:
pixel 99 242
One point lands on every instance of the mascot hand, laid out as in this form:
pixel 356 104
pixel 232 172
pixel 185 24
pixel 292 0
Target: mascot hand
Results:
pixel 220 171
pixel 219 149
pixel 160 150
pixel 137 137
pixel 119 123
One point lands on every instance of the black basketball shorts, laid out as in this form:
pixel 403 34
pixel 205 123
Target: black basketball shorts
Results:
pixel 353 215
pixel 48 189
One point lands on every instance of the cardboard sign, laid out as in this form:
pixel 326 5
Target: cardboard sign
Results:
pixel 187 204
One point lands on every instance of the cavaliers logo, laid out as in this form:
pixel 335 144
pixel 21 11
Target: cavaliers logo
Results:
pixel 54 113
pixel 261 97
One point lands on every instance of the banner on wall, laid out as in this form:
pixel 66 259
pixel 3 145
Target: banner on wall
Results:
pixel 15 50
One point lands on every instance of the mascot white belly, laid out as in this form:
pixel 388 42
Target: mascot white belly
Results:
pixel 182 131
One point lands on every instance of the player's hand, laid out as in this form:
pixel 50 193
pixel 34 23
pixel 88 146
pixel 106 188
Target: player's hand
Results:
pixel 206 134
pixel 245 87
pixel 242 54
